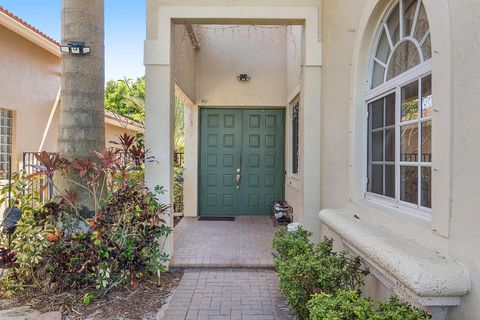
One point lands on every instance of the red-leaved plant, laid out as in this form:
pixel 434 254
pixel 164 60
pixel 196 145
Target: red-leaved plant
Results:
pixel 125 238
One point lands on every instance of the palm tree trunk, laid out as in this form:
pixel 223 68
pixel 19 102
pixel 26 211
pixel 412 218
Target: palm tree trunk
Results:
pixel 82 124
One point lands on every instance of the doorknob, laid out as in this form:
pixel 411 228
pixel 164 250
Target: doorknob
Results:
pixel 238 178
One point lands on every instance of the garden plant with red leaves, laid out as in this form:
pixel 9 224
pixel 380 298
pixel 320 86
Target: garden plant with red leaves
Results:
pixel 118 243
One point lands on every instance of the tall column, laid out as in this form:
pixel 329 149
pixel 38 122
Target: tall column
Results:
pixel 159 119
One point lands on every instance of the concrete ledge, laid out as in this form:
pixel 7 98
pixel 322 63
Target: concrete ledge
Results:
pixel 412 271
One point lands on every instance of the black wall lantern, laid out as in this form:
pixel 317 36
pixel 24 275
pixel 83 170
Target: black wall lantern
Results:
pixel 243 77
pixel 75 47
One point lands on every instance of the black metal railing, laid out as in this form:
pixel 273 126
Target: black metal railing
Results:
pixel 41 186
pixel 178 159
pixel 44 188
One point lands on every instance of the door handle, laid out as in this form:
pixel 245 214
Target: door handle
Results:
pixel 238 178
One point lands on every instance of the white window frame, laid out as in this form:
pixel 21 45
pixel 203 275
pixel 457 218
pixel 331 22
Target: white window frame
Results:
pixel 394 85
pixel 295 102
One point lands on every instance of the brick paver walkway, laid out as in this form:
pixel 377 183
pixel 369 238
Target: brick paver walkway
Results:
pixel 233 293
pixel 245 242
pixel 229 271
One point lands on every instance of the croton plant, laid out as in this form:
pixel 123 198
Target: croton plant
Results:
pixel 121 238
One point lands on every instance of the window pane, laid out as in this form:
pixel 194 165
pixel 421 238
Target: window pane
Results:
pixel 390 181
pixel 427 49
pixel 393 24
pixel 409 10
pixel 421 27
pixel 409 184
pixel 390 110
pixel 377 146
pixel 405 57
pixel 409 102
pixel 376 180
pixel 378 74
pixel 427 141
pixel 390 144
pixel 409 143
pixel 383 49
pixel 376 114
pixel 427 96
pixel 426 187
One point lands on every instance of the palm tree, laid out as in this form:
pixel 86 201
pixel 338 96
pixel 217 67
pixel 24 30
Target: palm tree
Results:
pixel 82 122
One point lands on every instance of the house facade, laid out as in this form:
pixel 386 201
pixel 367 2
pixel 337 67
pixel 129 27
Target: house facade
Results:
pixel 30 91
pixel 361 114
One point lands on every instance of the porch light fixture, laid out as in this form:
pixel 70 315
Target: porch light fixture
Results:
pixel 243 77
pixel 75 47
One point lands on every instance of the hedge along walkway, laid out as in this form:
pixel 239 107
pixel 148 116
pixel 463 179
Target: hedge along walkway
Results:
pixel 229 271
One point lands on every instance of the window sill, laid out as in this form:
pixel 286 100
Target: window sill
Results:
pixel 416 273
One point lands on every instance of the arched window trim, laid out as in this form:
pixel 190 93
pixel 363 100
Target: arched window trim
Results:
pixel 393 85
pixel 383 26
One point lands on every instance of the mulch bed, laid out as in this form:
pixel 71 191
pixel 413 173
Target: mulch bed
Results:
pixel 140 302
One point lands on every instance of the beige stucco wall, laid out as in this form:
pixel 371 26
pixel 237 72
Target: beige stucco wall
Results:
pixel 29 83
pixel 259 52
pixel 293 187
pixel 465 218
pixel 185 62
pixel 344 67
pixel 112 132
pixel 347 31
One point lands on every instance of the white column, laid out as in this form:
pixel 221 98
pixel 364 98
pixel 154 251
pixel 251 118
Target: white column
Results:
pixel 310 126
pixel 159 117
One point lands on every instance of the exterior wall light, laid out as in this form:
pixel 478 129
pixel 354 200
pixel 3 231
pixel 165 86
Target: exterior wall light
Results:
pixel 75 47
pixel 243 77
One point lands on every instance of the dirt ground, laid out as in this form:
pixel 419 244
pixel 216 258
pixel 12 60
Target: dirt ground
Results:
pixel 140 302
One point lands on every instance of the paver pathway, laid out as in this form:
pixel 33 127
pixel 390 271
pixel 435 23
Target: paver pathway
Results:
pixel 237 294
pixel 229 271
pixel 245 242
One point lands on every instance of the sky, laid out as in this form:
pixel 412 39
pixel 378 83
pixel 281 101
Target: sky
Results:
pixel 124 30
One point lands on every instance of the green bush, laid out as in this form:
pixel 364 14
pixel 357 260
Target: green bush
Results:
pixel 306 269
pixel 349 305
pixel 320 284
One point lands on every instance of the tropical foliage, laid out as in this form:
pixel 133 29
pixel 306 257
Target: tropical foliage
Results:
pixel 127 98
pixel 61 246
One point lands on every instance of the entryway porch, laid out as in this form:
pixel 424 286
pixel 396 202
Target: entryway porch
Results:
pixel 243 243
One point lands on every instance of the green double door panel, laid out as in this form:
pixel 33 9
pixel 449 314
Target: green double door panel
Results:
pixel 242 160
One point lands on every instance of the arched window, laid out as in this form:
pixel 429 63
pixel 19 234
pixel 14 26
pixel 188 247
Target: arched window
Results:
pixel 399 103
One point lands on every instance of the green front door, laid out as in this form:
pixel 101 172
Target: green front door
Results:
pixel 241 160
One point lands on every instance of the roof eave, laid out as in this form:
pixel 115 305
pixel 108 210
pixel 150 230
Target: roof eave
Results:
pixel 29 34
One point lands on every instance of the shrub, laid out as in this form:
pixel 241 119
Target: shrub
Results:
pixel 305 269
pixel 59 246
pixel 320 284
pixel 349 305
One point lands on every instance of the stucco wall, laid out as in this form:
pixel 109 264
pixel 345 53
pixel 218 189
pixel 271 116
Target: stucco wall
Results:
pixel 465 218
pixel 339 22
pixel 113 132
pixel 343 87
pixel 153 7
pixel 29 83
pixel 227 51
pixel 185 59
